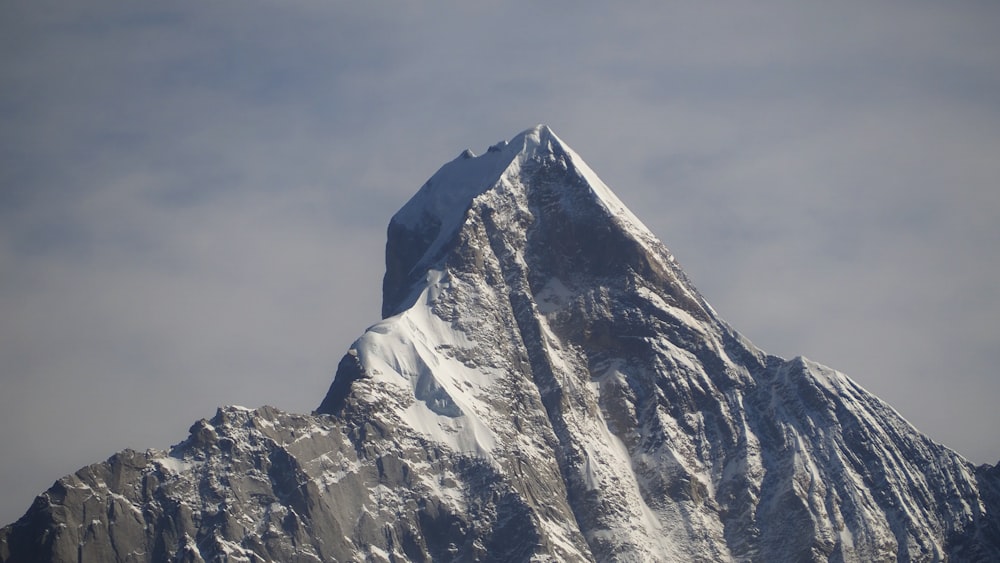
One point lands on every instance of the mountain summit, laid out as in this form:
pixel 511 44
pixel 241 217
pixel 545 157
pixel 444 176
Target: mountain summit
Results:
pixel 420 232
pixel 545 385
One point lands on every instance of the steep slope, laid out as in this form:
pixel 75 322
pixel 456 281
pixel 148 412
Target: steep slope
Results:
pixel 546 384
pixel 532 317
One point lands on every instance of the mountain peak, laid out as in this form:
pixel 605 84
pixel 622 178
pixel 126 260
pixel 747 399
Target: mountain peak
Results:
pixel 546 386
pixel 536 159
pixel 533 323
pixel 540 140
pixel 446 195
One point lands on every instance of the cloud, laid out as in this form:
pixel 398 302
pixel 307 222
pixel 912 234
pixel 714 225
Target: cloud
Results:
pixel 193 197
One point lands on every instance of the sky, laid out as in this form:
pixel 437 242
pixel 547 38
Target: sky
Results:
pixel 194 195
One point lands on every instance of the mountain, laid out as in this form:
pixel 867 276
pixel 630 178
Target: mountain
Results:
pixel 546 385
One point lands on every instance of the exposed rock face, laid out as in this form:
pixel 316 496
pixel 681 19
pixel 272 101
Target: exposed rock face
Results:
pixel 266 485
pixel 546 385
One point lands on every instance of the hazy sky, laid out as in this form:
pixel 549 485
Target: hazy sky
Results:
pixel 193 195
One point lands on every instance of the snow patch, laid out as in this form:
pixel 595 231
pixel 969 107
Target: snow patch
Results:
pixel 408 353
pixel 553 296
pixel 177 465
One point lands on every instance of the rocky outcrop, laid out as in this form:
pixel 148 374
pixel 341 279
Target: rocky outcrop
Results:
pixel 264 485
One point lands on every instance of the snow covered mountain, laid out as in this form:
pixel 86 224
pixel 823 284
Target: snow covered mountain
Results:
pixel 546 384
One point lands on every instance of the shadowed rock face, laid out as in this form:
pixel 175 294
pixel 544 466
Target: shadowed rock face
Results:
pixel 546 385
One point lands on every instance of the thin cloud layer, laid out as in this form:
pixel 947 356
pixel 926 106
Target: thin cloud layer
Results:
pixel 193 197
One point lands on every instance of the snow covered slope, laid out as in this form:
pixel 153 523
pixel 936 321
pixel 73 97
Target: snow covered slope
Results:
pixel 546 384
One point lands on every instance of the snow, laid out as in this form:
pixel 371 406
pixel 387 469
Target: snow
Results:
pixel 378 554
pixel 553 296
pixel 681 315
pixel 176 465
pixel 444 486
pixel 556 532
pixel 233 551
pixel 447 195
pixel 405 351
pixel 124 501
